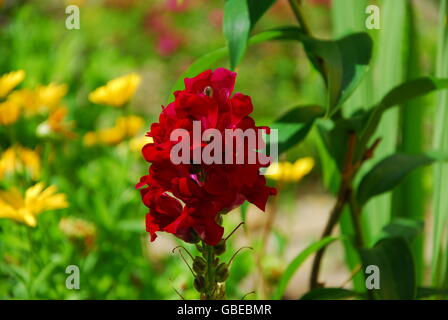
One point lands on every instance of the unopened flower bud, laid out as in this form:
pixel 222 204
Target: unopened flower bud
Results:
pixel 199 283
pixel 199 265
pixel 220 248
pixel 222 272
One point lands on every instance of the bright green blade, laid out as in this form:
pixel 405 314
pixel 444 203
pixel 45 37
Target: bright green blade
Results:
pixel 408 198
pixel 348 17
pixel 440 201
pixel 390 70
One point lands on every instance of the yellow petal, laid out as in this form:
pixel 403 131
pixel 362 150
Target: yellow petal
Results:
pixel 301 168
pixel 9 81
pixel 6 211
pixel 274 171
pixel 129 125
pixel 27 100
pixel 50 96
pixel 111 136
pixel 13 198
pixel 116 92
pixel 9 112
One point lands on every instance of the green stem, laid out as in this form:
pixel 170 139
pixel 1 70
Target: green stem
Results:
pixel 211 285
pixel 210 269
pixel 356 218
pixel 31 261
pixel 344 194
pixel 297 10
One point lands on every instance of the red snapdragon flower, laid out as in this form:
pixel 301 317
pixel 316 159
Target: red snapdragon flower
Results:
pixel 187 200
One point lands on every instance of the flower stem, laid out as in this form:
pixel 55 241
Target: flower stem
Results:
pixel 209 257
pixel 356 219
pixel 344 195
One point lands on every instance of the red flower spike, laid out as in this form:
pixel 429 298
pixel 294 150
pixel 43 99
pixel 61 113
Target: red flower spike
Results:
pixel 186 199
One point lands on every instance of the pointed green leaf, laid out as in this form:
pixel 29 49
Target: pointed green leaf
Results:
pixel 296 263
pixel 240 16
pixel 294 126
pixel 401 94
pixel 390 171
pixel 342 63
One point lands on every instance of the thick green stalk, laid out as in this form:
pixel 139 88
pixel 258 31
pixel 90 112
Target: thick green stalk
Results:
pixel 348 17
pixel 391 50
pixel 440 202
pixel 209 256
pixel 409 197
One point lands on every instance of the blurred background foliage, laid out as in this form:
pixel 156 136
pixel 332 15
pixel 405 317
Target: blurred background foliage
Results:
pixel 102 229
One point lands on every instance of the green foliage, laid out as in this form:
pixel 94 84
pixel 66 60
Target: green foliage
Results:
pixel 388 173
pixel 294 126
pixel 439 273
pixel 397 270
pixel 295 264
pixel 240 17
pixel 342 64
pixel 99 182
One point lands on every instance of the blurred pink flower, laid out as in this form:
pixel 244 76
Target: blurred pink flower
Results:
pixel 168 43
pixel 215 17
pixel 177 5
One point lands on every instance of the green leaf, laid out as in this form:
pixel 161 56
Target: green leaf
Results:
pixel 399 95
pixel 390 171
pixel 394 259
pixel 407 229
pixel 211 59
pixel 296 263
pixel 341 62
pixel 439 264
pixel 294 126
pixel 330 294
pixel 240 16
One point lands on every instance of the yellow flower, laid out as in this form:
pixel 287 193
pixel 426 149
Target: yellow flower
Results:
pixel 9 81
pixel 136 144
pixel 37 200
pixel 43 98
pixel 290 172
pixel 117 91
pixel 50 96
pixel 9 113
pixel 19 159
pixel 26 99
pixel 111 136
pixel 130 125
pixel 125 127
